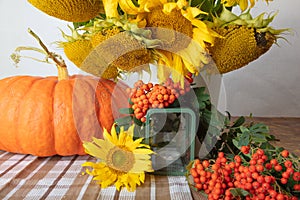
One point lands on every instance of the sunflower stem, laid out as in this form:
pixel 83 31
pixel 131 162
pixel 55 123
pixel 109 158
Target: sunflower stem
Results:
pixel 60 63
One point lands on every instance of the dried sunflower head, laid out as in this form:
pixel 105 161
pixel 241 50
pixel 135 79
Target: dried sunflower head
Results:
pixel 240 46
pixel 76 47
pixel 244 39
pixel 127 50
pixel 70 10
pixel 121 51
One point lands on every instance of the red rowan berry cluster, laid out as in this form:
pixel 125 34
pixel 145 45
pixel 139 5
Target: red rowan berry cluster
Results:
pixel 218 177
pixel 148 95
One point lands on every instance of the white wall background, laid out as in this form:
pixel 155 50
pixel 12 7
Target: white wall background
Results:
pixel 269 86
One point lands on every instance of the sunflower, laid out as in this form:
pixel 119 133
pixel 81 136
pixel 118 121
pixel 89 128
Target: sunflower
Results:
pixel 183 35
pixel 244 40
pixel 243 4
pixel 122 160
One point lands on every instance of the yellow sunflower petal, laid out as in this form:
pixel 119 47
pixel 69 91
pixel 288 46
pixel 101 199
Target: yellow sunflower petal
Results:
pixel 181 4
pixel 102 144
pixel 142 157
pixel 200 24
pixel 243 4
pixel 94 165
pixel 111 8
pixel 94 150
pixel 101 175
pixel 179 70
pixel 142 166
pixel 130 130
pixel 195 54
pixel 118 184
pixel 190 67
pixel 147 5
pixel 163 71
pixel 108 137
pixel 130 145
pixel 168 7
pixel 134 177
pixel 108 182
pixel 122 138
pixel 128 7
pixel 142 151
pixel 202 37
pixel 131 181
pixel 106 134
pixel 142 177
pixel 144 145
pixel 136 143
pixel 191 12
pixel 113 133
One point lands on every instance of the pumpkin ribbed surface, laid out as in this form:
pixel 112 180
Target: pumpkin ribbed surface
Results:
pixel 70 10
pixel 240 46
pixel 45 117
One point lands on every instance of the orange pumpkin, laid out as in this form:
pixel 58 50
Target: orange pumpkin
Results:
pixel 45 116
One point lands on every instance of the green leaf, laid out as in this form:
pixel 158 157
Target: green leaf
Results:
pixel 259 128
pixel 137 121
pixel 126 111
pixel 203 97
pixel 240 121
pixel 199 91
pixel 206 115
pixel 79 24
pixel 124 120
pixel 258 136
pixel 129 101
pixel 244 140
pixel 239 192
pixel 202 105
pixel 267 145
pixel 244 129
pixel 236 143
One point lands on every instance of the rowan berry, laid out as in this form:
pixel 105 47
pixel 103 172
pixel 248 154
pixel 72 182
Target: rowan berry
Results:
pixel 285 153
pixel 288 164
pixel 237 159
pixel 297 187
pixel 278 168
pixel 283 181
pixel 296 176
pixel 274 162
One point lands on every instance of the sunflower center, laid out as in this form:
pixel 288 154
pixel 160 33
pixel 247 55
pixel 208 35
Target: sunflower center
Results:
pixel 183 29
pixel 120 159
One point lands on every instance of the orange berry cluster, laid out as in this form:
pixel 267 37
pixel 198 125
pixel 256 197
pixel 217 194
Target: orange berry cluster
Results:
pixel 217 178
pixel 148 95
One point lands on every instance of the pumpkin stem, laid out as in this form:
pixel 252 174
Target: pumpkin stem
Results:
pixel 60 63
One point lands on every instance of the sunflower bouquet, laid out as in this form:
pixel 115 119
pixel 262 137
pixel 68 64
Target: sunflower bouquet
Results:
pixel 181 38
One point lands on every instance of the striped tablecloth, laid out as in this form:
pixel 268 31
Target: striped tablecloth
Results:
pixel 31 177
